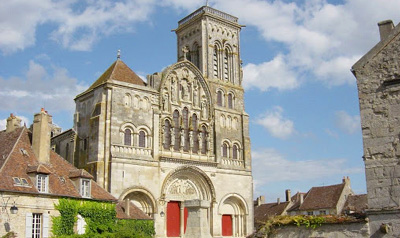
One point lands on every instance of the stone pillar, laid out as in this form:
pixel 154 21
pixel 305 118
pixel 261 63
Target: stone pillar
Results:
pixel 197 222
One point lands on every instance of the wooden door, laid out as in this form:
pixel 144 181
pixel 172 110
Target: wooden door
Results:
pixel 173 219
pixel 227 225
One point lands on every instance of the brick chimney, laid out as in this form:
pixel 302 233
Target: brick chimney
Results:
pixel 260 200
pixel 13 123
pixel 41 136
pixel 385 28
pixel 301 198
pixel 287 192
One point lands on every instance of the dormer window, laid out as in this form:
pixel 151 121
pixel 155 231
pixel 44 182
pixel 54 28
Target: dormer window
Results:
pixel 85 188
pixel 42 183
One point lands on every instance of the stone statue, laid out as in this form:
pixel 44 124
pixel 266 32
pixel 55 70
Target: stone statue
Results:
pixel 204 109
pixel 182 138
pixel 185 50
pixel 191 139
pixel 173 89
pixel 165 102
pixel 195 94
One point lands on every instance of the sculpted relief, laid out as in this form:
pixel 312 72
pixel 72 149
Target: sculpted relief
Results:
pixel 182 188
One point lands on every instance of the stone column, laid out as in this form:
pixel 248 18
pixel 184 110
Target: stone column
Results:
pixel 197 222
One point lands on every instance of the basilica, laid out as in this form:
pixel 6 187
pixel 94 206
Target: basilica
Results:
pixel 178 145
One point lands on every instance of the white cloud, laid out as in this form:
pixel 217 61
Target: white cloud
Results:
pixel 269 167
pixel 276 124
pixel 267 75
pixel 76 25
pixel 346 123
pixel 51 88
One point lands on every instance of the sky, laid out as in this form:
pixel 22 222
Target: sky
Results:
pixel 299 91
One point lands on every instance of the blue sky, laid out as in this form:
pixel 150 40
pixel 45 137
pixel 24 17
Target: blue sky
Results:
pixel 297 55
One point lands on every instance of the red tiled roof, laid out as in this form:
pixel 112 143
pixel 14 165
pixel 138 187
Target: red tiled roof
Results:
pixel 265 211
pixel 80 173
pixel 322 197
pixel 23 160
pixel 7 143
pixel 118 71
pixel 134 212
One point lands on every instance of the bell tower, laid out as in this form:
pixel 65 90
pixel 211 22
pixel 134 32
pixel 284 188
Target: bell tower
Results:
pixel 209 38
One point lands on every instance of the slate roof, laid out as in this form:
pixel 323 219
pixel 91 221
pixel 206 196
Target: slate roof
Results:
pixel 21 161
pixel 265 211
pixel 325 197
pixel 134 212
pixel 118 71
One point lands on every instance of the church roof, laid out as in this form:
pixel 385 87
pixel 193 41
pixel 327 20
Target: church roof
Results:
pixel 118 71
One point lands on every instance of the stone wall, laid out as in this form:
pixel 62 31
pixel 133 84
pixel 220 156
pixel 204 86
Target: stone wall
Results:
pixel 348 230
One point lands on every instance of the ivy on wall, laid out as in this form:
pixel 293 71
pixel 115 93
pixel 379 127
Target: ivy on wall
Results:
pixel 101 221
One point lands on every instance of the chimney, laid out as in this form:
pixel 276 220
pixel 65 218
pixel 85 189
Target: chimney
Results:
pixel 301 198
pixel 278 200
pixel 385 28
pixel 260 200
pixel 13 123
pixel 287 195
pixel 127 207
pixel 41 136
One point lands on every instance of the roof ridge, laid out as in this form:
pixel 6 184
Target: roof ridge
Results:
pixel 11 151
pixel 112 72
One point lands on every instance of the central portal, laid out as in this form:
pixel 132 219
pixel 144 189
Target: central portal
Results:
pixel 177 216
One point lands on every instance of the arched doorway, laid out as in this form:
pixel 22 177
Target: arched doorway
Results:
pixel 142 198
pixel 234 212
pixel 184 183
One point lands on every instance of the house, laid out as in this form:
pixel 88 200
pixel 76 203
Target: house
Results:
pixel 33 178
pixel 334 199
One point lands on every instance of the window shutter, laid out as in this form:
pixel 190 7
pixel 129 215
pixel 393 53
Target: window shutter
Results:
pixel 45 225
pixel 28 225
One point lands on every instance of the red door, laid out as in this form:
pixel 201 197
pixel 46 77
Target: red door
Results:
pixel 173 219
pixel 227 225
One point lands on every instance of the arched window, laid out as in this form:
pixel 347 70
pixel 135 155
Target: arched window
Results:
pixel 219 98
pixel 235 152
pixel 67 152
pixel 225 150
pixel 167 134
pixel 142 139
pixel 196 55
pixel 128 137
pixel 215 62
pixel 177 131
pixel 194 138
pixel 185 115
pixel 226 66
pixel 230 100
pixel 127 100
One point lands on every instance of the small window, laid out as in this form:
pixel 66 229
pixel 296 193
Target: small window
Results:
pixel 127 137
pixel 142 139
pixel 224 150
pixel 235 152
pixel 17 181
pixel 230 101
pixel 24 182
pixel 85 188
pixel 322 212
pixel 219 98
pixel 310 213
pixel 42 182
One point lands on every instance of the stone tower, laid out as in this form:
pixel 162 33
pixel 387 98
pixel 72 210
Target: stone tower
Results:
pixel 180 139
pixel 378 82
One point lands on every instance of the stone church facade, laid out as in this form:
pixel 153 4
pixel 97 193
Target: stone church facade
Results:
pixel 181 137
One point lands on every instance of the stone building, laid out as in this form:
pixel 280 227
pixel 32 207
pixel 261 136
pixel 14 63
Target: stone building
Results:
pixel 180 138
pixel 33 179
pixel 378 82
